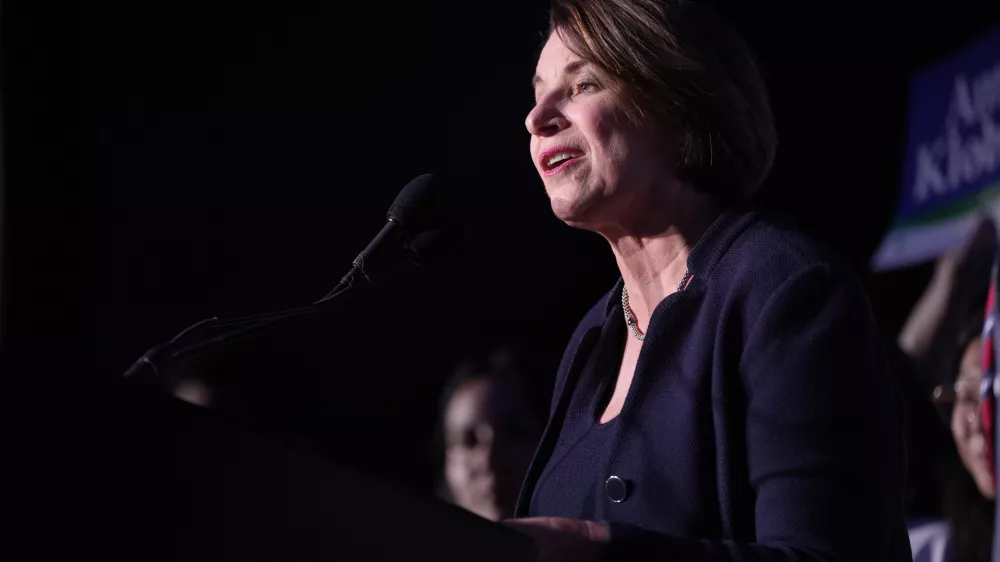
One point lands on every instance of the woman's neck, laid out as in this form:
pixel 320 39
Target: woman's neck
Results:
pixel 653 265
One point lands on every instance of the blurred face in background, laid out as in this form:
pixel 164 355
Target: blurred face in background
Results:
pixel 965 421
pixel 490 437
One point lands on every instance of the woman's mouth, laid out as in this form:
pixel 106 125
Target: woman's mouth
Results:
pixel 555 160
pixel 563 165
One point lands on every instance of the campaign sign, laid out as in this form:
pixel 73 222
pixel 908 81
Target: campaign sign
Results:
pixel 951 176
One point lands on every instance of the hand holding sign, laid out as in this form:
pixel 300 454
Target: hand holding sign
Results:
pixel 955 293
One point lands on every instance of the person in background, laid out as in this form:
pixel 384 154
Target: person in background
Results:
pixel 492 414
pixel 941 341
pixel 924 355
pixel 966 533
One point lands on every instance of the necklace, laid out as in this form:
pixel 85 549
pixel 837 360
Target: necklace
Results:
pixel 633 326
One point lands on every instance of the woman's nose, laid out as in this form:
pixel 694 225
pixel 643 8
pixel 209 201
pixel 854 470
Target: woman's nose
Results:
pixel 484 453
pixel 545 120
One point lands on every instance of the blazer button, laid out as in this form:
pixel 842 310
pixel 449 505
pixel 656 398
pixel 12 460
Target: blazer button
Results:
pixel 616 489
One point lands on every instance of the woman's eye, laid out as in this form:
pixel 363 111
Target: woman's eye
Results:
pixel 584 87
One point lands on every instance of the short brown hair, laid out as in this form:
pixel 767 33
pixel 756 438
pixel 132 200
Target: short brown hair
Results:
pixel 679 62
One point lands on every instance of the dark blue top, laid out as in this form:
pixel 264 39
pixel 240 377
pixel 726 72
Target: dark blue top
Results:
pixel 584 443
pixel 762 422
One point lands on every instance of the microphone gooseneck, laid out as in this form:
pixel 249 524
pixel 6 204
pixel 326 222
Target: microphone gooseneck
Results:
pixel 407 239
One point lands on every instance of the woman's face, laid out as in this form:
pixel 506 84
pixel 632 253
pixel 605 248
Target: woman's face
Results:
pixel 490 437
pixel 597 166
pixel 965 422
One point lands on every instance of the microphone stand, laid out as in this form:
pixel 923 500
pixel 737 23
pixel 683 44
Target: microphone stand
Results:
pixel 204 335
pixel 147 367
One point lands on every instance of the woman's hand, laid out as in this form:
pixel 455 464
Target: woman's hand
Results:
pixel 560 539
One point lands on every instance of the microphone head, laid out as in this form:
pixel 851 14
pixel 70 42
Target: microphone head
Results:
pixel 415 208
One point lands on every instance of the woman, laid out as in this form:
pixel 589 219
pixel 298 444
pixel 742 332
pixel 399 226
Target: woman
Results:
pixel 966 535
pixel 491 419
pixel 729 398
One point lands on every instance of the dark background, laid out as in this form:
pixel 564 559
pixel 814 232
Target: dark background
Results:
pixel 169 162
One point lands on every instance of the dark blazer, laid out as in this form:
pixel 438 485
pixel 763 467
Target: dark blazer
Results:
pixel 763 422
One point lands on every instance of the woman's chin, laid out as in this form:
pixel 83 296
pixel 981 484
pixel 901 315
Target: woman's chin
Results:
pixel 571 208
pixel 486 511
pixel 978 466
pixel 985 484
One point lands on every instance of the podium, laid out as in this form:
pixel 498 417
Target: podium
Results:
pixel 195 487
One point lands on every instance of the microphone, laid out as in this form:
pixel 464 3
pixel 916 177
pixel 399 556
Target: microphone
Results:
pixel 412 231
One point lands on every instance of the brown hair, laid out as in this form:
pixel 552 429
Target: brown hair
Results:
pixel 679 62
